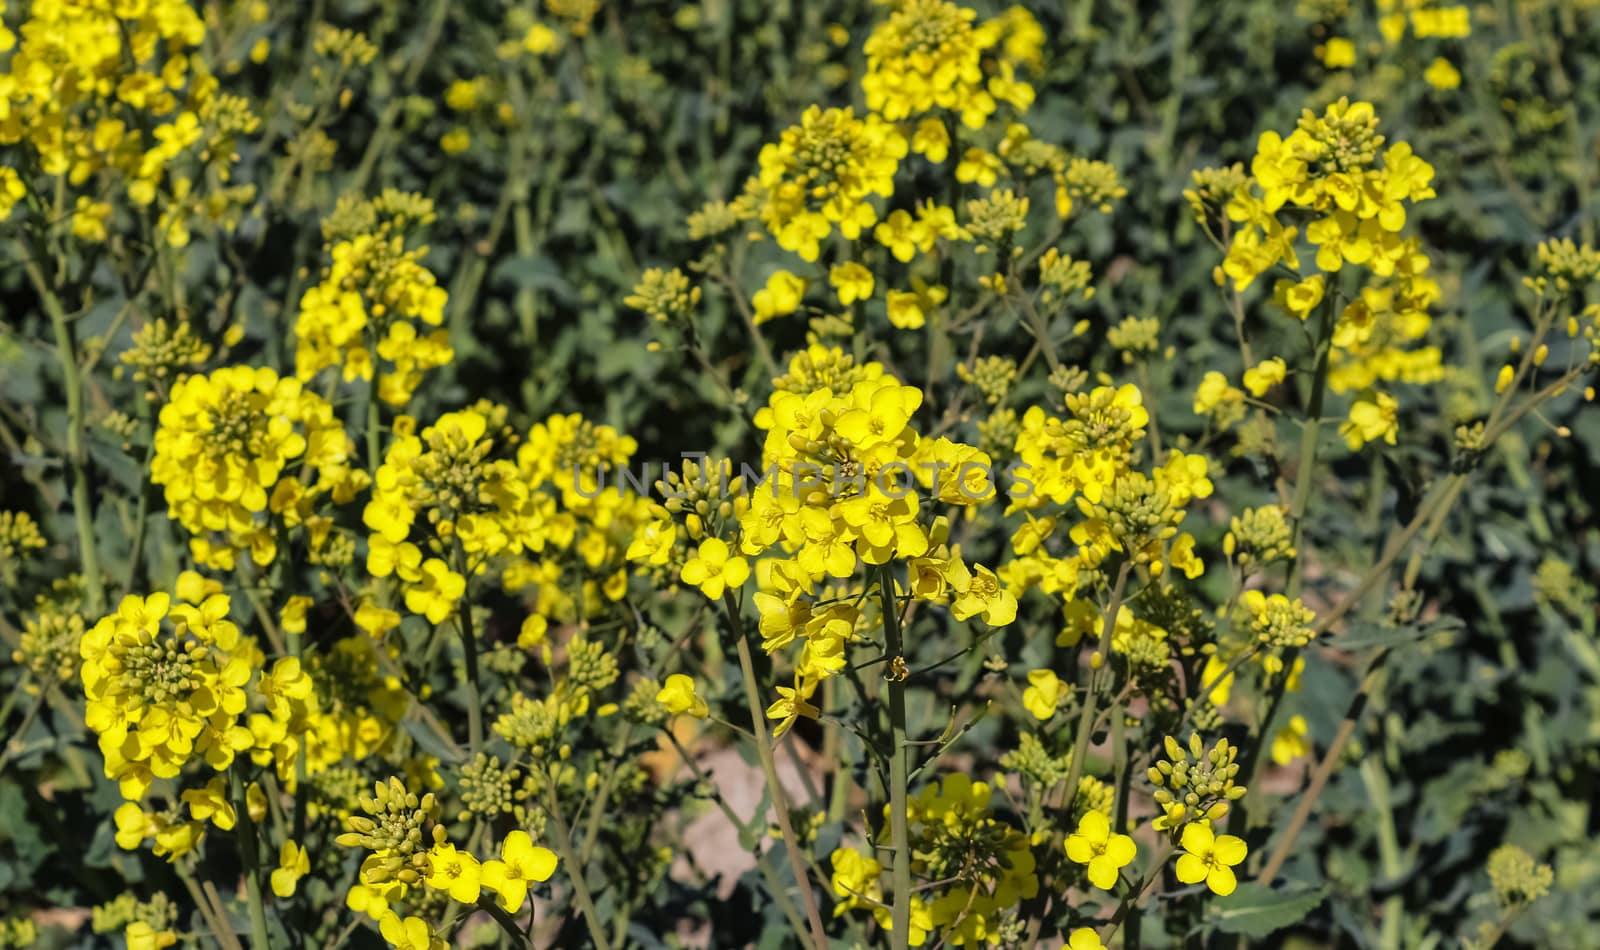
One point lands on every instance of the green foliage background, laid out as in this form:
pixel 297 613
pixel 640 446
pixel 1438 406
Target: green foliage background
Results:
pixel 1485 732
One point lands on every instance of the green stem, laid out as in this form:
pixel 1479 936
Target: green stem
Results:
pixel 213 918
pixel 1377 783
pixel 374 424
pixel 507 922
pixel 834 753
pixel 379 143
pixel 580 886
pixel 245 833
pixel 899 753
pixel 141 515
pixel 469 654
pixel 1309 435
pixel 77 456
pixel 769 769
pixel 1080 743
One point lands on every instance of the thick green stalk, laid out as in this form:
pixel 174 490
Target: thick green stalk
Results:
pixel 469 654
pixel 899 773
pixel 245 833
pixel 562 839
pixel 77 455
pixel 374 425
pixel 769 769
pixel 1080 743
pixel 1310 433
pixel 297 650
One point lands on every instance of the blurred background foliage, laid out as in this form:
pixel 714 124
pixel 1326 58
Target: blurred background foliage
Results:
pixel 578 169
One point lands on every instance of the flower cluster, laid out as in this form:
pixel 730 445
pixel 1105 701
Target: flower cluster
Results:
pixel 372 298
pixel 1333 178
pixel 160 693
pixel 241 451
pixel 111 96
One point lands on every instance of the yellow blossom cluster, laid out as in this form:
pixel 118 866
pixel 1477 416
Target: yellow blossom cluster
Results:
pixel 109 95
pixel 1334 176
pixel 929 56
pixel 466 504
pixel 375 302
pixel 587 520
pixel 243 445
pixel 160 692
pixel 851 482
pixel 821 173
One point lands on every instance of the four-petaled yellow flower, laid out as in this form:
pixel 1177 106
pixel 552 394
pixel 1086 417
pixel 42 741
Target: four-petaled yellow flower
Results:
pixel 1370 420
pixel 1210 858
pixel 780 297
pixel 678 696
pixel 1105 853
pixel 851 281
pixel 521 861
pixel 455 872
pixel 1085 938
pixel 293 864
pixel 413 933
pixel 714 570
pixel 1043 694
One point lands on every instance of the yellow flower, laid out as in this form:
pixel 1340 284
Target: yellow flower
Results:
pixel 1210 858
pixel 224 442
pixel 12 190
pixel 413 933
pixel 1337 53
pixel 293 864
pixel 1084 938
pixel 1442 75
pixel 293 618
pixel 438 591
pixel 210 803
pixel 141 936
pixel 792 704
pixel 1216 686
pixel 985 597
pixel 520 862
pixel 1370 420
pixel 455 141
pixel 1095 845
pixel 679 697
pixel 1300 298
pixel 856 880
pixel 1265 375
pixel 821 173
pixel 852 281
pixel 780 297
pixel 1214 393
pixel 1043 694
pixel 533 630
pixel 905 310
pixel 904 236
pixel 932 140
pixel 653 542
pixel 1291 742
pixel 540 39
pixel 713 570
pixel 455 872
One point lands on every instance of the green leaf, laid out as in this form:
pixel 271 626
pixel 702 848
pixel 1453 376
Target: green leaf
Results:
pixel 1257 911
pixel 1364 636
